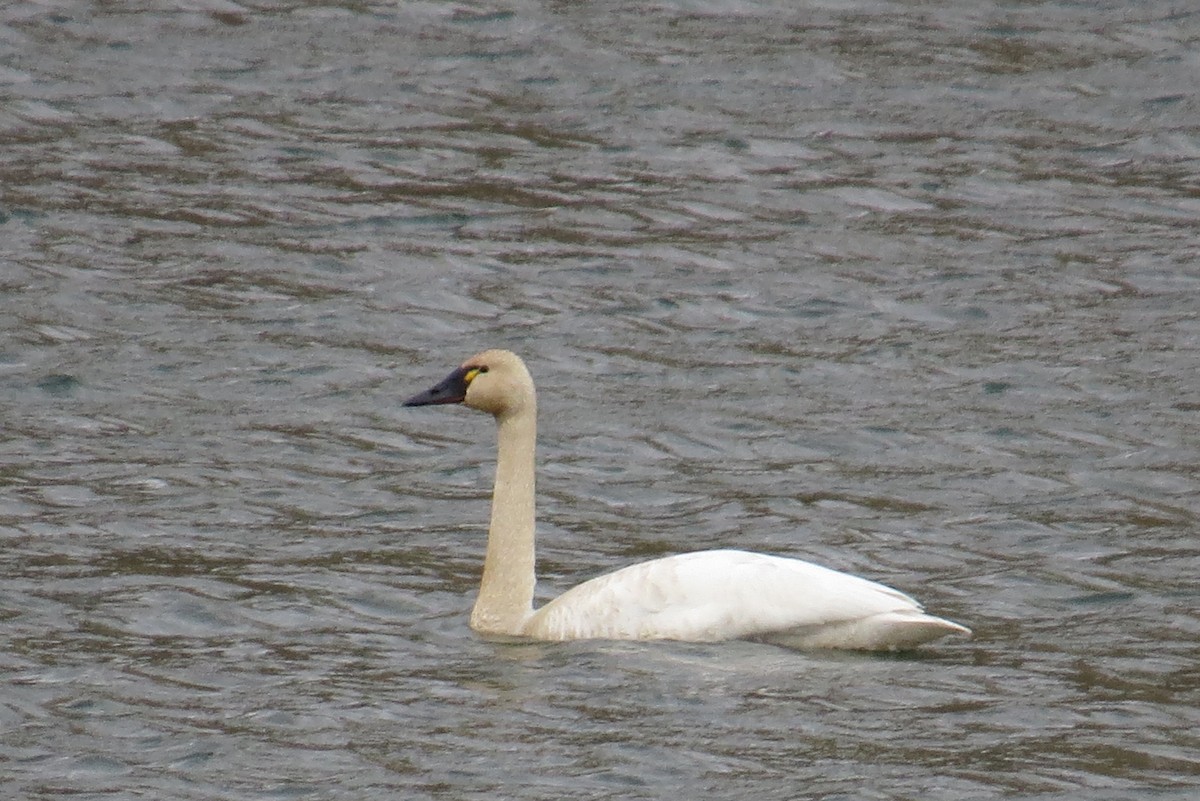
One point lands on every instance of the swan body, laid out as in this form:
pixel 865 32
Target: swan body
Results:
pixel 705 596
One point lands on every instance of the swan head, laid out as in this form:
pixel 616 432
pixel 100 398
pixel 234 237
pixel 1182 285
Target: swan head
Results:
pixel 494 381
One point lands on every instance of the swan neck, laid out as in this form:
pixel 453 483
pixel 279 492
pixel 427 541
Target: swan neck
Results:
pixel 505 600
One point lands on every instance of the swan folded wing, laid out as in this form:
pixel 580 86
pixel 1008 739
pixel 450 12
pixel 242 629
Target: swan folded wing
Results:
pixel 721 595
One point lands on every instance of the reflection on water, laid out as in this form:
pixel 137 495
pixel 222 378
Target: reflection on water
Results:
pixel 905 290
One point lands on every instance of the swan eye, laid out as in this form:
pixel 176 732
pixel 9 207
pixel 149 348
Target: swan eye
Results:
pixel 469 376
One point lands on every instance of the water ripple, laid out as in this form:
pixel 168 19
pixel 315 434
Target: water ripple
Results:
pixel 908 291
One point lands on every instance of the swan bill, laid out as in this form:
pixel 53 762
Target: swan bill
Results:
pixel 451 389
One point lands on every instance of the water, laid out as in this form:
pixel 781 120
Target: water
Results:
pixel 905 289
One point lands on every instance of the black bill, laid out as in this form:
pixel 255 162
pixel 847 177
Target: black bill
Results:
pixel 452 389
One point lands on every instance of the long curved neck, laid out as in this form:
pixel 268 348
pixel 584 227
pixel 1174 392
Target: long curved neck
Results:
pixel 505 600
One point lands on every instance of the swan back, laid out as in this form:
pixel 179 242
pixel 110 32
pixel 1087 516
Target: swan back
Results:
pixel 709 596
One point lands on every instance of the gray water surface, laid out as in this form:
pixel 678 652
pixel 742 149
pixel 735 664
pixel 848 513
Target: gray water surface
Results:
pixel 906 289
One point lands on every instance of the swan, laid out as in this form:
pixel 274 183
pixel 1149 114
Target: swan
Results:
pixel 706 596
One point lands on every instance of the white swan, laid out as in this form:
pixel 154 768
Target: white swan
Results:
pixel 701 597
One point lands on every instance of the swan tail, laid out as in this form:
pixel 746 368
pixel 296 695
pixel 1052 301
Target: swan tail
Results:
pixel 901 630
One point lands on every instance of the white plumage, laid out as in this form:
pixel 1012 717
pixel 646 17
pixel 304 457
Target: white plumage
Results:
pixel 705 596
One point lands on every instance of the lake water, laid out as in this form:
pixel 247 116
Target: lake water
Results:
pixel 907 289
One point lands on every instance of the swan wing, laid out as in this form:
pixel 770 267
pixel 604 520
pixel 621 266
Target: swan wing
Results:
pixel 721 595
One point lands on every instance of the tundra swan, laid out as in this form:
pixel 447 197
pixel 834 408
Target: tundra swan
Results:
pixel 705 596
